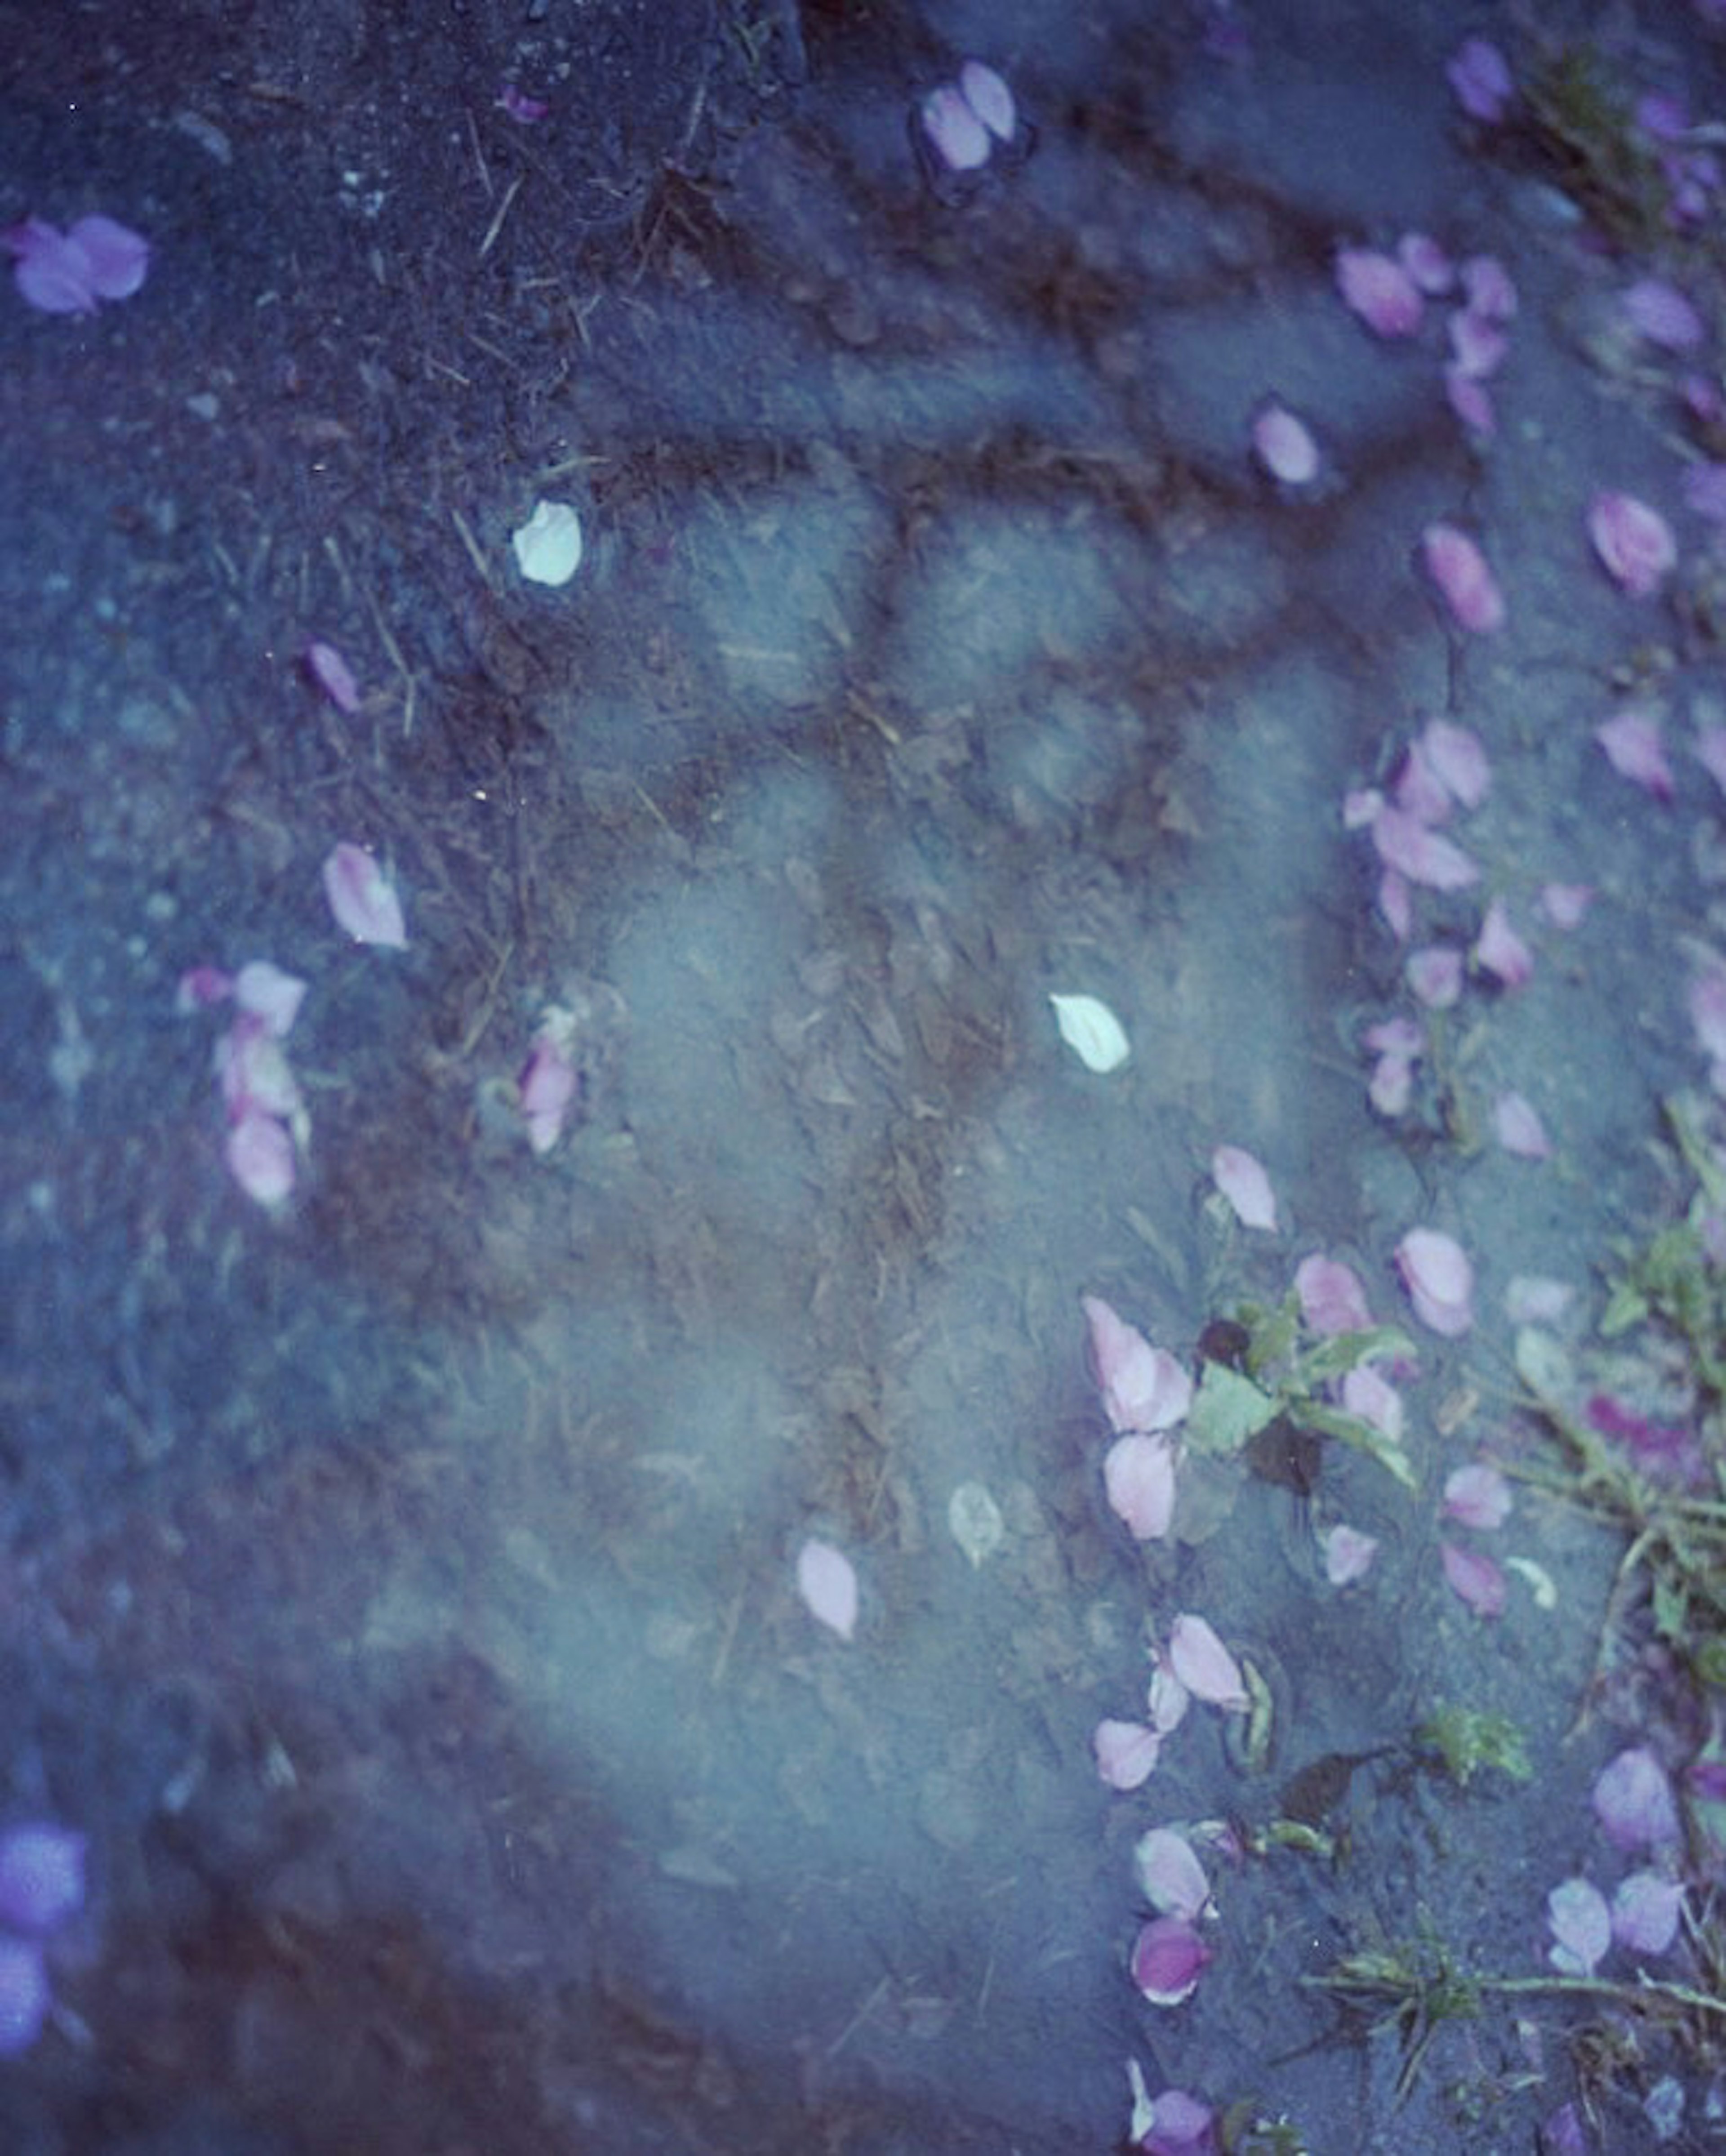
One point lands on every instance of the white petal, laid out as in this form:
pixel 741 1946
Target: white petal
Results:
pixel 1091 1031
pixel 828 1586
pixel 548 547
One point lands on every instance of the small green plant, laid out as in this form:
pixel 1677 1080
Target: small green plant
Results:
pixel 1467 1741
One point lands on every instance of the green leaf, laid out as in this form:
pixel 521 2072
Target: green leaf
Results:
pixel 1228 1409
pixel 1355 1430
pixel 1672 1606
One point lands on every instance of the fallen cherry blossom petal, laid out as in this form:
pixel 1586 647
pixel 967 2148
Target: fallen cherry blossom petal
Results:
pixel 1331 1297
pixel 957 136
pixel 1458 756
pixel 1477 1496
pixel 1166 1699
pixel 826 1580
pixel 1391 1087
pixel 1634 542
pixel 1659 312
pixel 1479 76
pixel 1440 1279
pixel 1394 1036
pixel 269 994
pixel 1478 344
pixel 1139 1480
pixel 1519 1128
pixel 25 1995
pixel 1143 1387
pixel 546 1087
pixel 1177 2124
pixel 1633 1802
pixel 1459 569
pixel 1424 856
pixel 332 674
pixel 1242 1181
pixel 118 258
pixel 1396 904
pixel 1565 904
pixel 1472 402
pixel 1488 289
pixel 1581 1928
pixel 1475 1579
pixel 1092 1032
pixel 519 106
pixel 1204 1665
pixel 1371 1396
pixel 1378 289
pixel 1498 950
pixel 1646 1909
pixel 986 94
pixel 53 272
pixel 548 547
pixel 252 1070
pixel 362 898
pixel 1428 263
pixel 1284 445
pixel 1126 1753
pixel 1418 788
pixel 260 1156
pixel 1631 740
pixel 1168 1959
pixel 1348 1554
pixel 1434 974
pixel 1360 806
pixel 41 1875
pixel 1170 1876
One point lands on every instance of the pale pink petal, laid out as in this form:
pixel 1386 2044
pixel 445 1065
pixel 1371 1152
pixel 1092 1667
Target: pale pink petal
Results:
pixel 1479 76
pixel 1439 1279
pixel 1581 1928
pixel 331 672
pixel 546 1087
pixel 1400 1035
pixel 42 1876
pixel 1488 288
pixel 117 257
pixel 1139 1480
pixel 1332 1299
pixel 1360 806
pixel 1476 1578
pixel 1427 262
pixel 1348 1554
pixel 1477 1496
pixel 1424 856
pixel 1565 904
pixel 1171 1877
pixel 362 898
pixel 1458 755
pixel 1204 1665
pixel 827 1583
pixel 990 99
pixel 1659 311
pixel 1519 1128
pixel 1391 1087
pixel 1396 904
pixel 1458 567
pixel 1498 950
pixel 54 273
pixel 1646 1911
pixel 1710 753
pixel 519 106
pixel 1167 1699
pixel 1126 1753
pixel 1377 289
pixel 1168 1958
pixel 1243 1182
pixel 1177 2124
pixel 1530 1300
pixel 1478 344
pixel 1634 542
pixel 1435 976
pixel 260 1156
pixel 1284 445
pixel 1419 789
pixel 1472 400
pixel 1375 1399
pixel 252 1070
pixel 959 138
pixel 1143 1387
pixel 1633 1802
pixel 1636 751
pixel 268 992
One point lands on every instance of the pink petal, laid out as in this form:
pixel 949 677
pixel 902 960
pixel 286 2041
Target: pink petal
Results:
pixel 1646 1911
pixel 990 99
pixel 1659 311
pixel 959 139
pixel 1396 904
pixel 1126 1753
pixel 1377 289
pixel 1243 1182
pixel 1498 950
pixel 1635 750
pixel 1391 1085
pixel 1479 75
pixel 260 1156
pixel 41 1877
pixel 1332 1299
pixel 1565 904
pixel 1167 1699
pixel 1435 976
pixel 519 106
pixel 546 1087
pixel 1472 400
pixel 1139 1480
pixel 1348 1554
pixel 1394 1036
pixel 1488 289
pixel 24 1996
pixel 54 273
pixel 828 1583
pixel 1375 1399
pixel 1360 806
pixel 1427 262
pixel 1476 1578
pixel 1204 1665
pixel 1284 445
pixel 1458 568
pixel 362 898
pixel 1439 1279
pixel 1424 856
pixel 117 256
pixel 1478 343
pixel 252 1070
pixel 1170 1876
pixel 1178 2124
pixel 1581 1928
pixel 1633 1802
pixel 1458 755
pixel 1518 1129
pixel 269 993
pixel 327 667
pixel 1477 1496
pixel 1168 1957
pixel 1143 1387
pixel 1634 542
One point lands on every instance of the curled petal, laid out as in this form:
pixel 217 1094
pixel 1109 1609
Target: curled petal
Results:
pixel 333 674
pixel 957 136
pixel 260 1156
pixel 1498 950
pixel 546 1087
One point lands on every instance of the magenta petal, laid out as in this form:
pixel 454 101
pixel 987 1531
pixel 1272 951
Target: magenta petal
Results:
pixel 959 139
pixel 1168 1958
pixel 1332 1299
pixel 1634 749
pixel 1458 567
pixel 1633 1802
pixel 1439 1279
pixel 1476 1578
pixel 1581 1928
pixel 1126 1753
pixel 1138 1478
pixel 1634 542
pixel 1243 1182
pixel 363 899
pixel 1206 1668
pixel 23 1995
pixel 1170 1876
pixel 41 1877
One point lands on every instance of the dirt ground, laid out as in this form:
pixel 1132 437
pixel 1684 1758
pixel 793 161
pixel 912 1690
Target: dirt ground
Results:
pixel 399 1580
